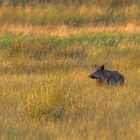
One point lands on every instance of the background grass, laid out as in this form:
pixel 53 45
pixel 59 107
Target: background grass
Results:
pixel 73 13
pixel 45 92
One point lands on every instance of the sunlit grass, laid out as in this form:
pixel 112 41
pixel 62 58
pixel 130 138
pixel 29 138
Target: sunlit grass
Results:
pixel 45 92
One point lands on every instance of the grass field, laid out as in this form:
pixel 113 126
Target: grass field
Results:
pixel 46 93
pixel 96 13
pixel 47 50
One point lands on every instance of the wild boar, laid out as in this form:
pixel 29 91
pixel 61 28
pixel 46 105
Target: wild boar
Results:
pixel 104 76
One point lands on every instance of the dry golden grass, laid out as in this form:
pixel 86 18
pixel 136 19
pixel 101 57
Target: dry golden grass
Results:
pixel 64 30
pixel 52 98
pixel 46 55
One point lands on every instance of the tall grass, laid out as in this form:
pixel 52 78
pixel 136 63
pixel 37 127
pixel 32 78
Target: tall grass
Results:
pixel 45 92
pixel 58 14
pixel 113 3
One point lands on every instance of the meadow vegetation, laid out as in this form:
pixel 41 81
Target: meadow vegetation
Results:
pixel 72 13
pixel 46 92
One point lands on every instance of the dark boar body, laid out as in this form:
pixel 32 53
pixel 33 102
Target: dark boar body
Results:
pixel 103 76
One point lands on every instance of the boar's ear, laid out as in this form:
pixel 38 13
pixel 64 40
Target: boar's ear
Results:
pixel 102 67
pixel 95 65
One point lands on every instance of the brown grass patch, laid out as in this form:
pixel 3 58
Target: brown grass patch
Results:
pixel 63 30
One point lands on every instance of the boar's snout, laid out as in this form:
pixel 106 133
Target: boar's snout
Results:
pixel 92 76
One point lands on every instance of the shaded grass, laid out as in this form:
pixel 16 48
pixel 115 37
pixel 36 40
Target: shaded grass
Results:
pixel 112 3
pixel 45 92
